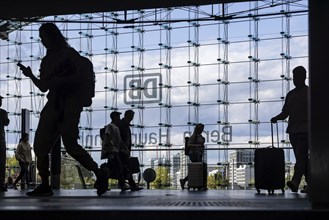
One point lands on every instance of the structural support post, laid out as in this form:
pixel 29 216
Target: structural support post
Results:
pixel 319 108
pixel 25 128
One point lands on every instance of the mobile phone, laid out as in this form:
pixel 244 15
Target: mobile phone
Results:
pixel 21 65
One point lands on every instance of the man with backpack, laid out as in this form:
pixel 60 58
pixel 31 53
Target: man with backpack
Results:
pixel 64 75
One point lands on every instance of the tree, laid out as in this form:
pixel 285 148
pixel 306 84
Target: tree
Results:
pixel 12 166
pixel 162 180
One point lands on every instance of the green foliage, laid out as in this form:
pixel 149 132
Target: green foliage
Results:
pixel 162 180
pixel 13 167
pixel 11 161
pixel 70 178
pixel 213 181
pixel 217 181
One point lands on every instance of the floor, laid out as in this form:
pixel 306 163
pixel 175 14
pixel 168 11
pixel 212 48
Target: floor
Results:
pixel 159 204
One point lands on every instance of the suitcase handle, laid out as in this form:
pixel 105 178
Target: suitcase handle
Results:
pixel 277 133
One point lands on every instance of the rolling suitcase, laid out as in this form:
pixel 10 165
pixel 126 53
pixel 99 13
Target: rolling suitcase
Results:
pixel 197 178
pixel 270 167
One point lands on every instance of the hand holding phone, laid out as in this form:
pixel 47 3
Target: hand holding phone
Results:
pixel 26 70
pixel 21 66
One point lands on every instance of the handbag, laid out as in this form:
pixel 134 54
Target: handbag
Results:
pixel 134 165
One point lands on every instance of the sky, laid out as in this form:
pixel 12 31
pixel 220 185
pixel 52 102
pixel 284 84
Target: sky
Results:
pixel 210 73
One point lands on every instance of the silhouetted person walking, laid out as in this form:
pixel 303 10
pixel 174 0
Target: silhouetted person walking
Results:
pixel 296 108
pixel 195 148
pixel 61 76
pixel 4 121
pixel 113 146
pixel 125 133
pixel 24 157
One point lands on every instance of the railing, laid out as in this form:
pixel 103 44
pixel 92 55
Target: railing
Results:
pixel 231 174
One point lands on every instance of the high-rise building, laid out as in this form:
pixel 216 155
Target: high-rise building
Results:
pixel 241 168
pixel 174 170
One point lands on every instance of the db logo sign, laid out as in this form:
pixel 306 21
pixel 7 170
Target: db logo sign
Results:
pixel 144 88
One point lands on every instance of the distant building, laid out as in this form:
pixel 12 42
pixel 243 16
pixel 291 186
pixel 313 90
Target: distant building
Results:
pixel 160 162
pixel 175 170
pixel 183 164
pixel 241 169
pixel 152 162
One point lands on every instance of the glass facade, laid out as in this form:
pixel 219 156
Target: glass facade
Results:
pixel 226 66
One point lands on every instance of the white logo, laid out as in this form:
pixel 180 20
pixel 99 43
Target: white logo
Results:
pixel 146 88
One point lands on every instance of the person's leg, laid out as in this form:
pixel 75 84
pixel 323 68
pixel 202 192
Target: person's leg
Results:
pixel 299 143
pixel 128 172
pixel 2 166
pixel 47 132
pixel 194 157
pixel 126 169
pixel 183 181
pixel 69 132
pixel 55 168
pixel 26 173
pixel 20 175
pixel 118 167
pixel 304 152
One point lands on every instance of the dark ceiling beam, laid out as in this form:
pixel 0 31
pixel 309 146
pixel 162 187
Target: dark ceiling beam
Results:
pixel 16 9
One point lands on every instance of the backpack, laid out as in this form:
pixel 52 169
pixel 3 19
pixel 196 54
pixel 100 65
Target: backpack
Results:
pixel 87 91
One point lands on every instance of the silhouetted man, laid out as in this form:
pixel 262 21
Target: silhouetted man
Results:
pixel 126 138
pixel 4 121
pixel 296 108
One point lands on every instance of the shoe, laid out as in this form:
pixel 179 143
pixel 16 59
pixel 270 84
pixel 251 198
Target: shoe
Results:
pixel 3 189
pixel 96 186
pixel 136 188
pixel 292 186
pixel 102 181
pixel 182 183
pixel 304 190
pixel 41 190
pixel 124 187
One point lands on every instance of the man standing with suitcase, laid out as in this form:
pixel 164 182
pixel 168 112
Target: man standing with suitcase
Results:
pixel 296 108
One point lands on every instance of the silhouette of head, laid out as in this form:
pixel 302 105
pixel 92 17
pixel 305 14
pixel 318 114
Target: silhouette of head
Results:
pixel 115 116
pixel 299 76
pixel 129 115
pixel 199 128
pixel 51 37
pixel 25 137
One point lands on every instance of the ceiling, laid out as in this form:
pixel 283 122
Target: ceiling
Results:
pixel 15 14
pixel 18 9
